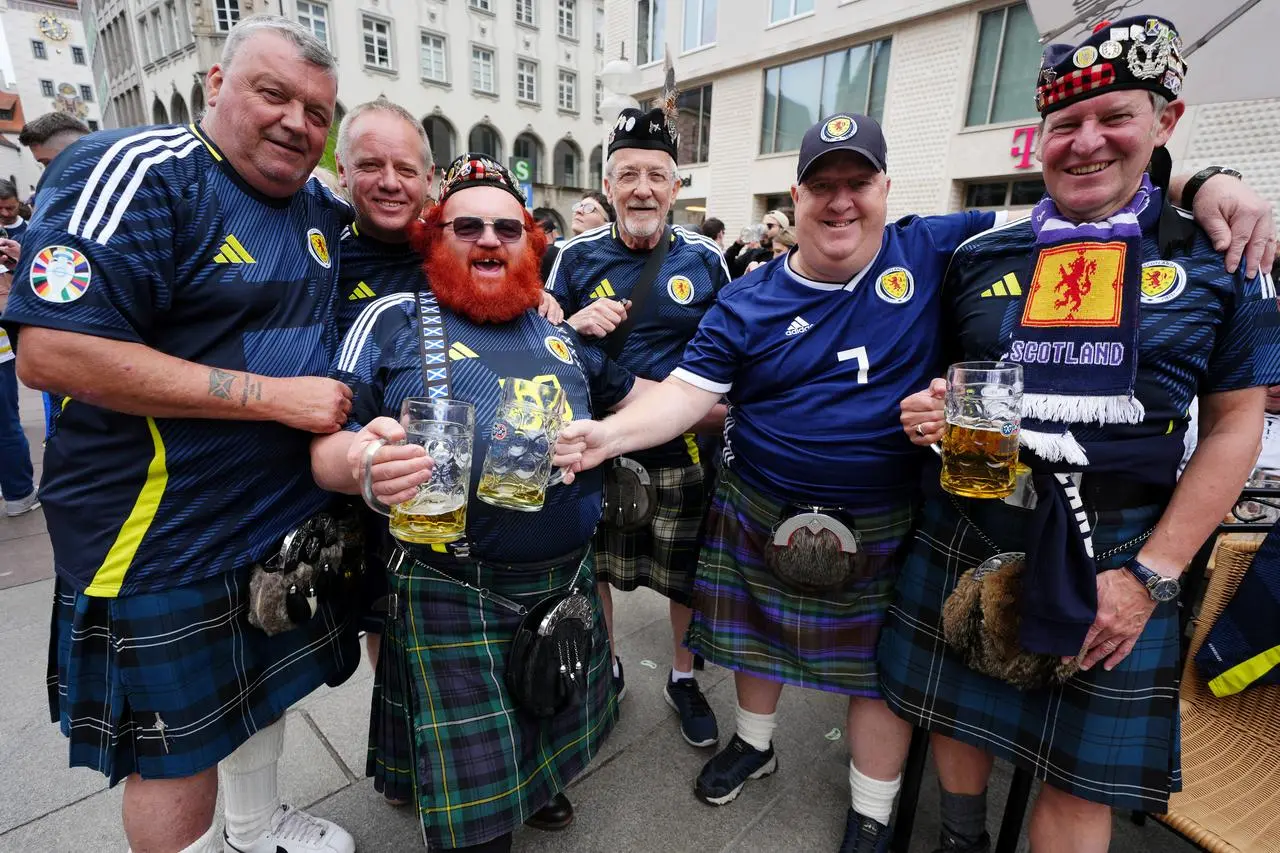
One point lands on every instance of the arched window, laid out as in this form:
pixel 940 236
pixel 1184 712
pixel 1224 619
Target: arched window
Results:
pixel 568 164
pixel 178 110
pixel 484 139
pixel 197 101
pixel 595 172
pixel 442 137
pixel 529 147
pixel 158 114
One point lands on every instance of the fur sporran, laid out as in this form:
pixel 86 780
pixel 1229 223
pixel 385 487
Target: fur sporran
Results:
pixel 980 621
pixel 321 559
pixel 814 552
pixel 630 497
pixel 546 668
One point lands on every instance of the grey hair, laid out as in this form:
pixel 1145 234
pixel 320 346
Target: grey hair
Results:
pixel 609 166
pixel 7 189
pixel 312 49
pixel 380 105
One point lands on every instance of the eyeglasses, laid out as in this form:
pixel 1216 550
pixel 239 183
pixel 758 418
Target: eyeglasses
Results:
pixel 586 207
pixel 631 177
pixel 471 228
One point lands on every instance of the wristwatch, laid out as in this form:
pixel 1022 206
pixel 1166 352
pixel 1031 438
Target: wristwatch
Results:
pixel 1197 180
pixel 1159 587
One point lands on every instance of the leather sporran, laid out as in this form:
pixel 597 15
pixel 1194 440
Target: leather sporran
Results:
pixel 815 552
pixel 630 497
pixel 321 559
pixel 546 668
pixel 980 621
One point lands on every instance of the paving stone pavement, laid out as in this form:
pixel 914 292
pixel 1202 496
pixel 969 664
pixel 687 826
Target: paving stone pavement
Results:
pixel 636 796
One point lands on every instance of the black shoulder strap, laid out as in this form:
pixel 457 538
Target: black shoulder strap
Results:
pixel 433 347
pixel 639 295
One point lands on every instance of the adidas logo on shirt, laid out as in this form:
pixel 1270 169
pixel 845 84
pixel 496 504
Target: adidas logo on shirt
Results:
pixel 232 252
pixel 361 291
pixel 1007 286
pixel 798 326
pixel 460 350
pixel 602 290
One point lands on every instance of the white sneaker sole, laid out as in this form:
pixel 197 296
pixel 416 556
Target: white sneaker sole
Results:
pixel 700 744
pixel 769 768
pixel 35 506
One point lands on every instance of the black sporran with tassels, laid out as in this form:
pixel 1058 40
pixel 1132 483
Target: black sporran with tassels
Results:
pixel 546 671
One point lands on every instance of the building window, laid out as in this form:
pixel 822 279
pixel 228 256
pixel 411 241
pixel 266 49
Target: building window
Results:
pixel 693 118
pixel 86 93
pixel 160 34
pixel 994 195
pixel 526 80
pixel 1004 72
pixel 37 49
pixel 226 14
pixel 599 27
pixel 566 158
pixel 171 20
pixel 651 18
pixel 780 10
pixel 183 23
pixel 567 91
pixel 482 70
pixel 567 18
pixel 93 125
pixel 77 55
pixel 315 17
pixel 699 23
pixel 528 148
pixel 144 40
pixel 798 94
pixel 377 43
pixel 482 5
pixel 433 58
pixel 524 12
pixel 599 97
pixel 484 140
pixel 46 88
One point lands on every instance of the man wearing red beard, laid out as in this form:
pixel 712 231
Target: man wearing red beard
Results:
pixel 441 701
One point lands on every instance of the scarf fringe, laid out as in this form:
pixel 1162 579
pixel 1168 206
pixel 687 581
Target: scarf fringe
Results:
pixel 1054 447
pixel 1117 409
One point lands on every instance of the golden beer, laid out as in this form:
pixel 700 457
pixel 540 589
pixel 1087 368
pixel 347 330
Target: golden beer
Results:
pixel 517 463
pixel 511 493
pixel 979 462
pixel 426 522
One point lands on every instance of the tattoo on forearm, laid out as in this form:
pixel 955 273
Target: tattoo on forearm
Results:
pixel 220 383
pixel 252 389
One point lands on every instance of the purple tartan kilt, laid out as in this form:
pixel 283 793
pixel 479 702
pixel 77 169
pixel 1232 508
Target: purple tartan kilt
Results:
pixel 748 621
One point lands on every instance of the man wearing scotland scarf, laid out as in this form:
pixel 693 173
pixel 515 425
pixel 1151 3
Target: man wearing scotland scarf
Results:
pixel 1122 314
pixel 482 763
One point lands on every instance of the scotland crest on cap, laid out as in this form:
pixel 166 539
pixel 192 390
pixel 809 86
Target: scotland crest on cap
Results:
pixel 1142 52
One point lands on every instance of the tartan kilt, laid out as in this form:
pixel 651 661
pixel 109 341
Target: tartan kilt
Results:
pixel 1108 737
pixel 167 684
pixel 475 765
pixel 663 556
pixel 745 619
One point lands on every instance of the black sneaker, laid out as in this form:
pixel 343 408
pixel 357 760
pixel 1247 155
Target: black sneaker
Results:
pixel 952 843
pixel 863 834
pixel 619 680
pixel 722 777
pixel 697 720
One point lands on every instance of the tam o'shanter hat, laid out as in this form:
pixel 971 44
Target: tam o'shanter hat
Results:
pixel 1142 52
pixel 655 130
pixel 469 170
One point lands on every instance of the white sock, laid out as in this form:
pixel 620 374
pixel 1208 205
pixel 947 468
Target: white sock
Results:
pixel 249 784
pixel 210 842
pixel 871 797
pixel 756 729
pixel 677 675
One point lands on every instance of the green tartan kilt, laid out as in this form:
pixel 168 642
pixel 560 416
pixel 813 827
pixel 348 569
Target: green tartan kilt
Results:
pixel 478 767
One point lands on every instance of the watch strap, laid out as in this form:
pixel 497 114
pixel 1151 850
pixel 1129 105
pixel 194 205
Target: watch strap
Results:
pixel 1197 180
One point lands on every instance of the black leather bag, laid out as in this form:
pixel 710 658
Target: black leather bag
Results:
pixel 546 668
pixel 630 497
pixel 814 551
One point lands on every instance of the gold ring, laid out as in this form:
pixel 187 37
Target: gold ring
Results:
pixel 920 430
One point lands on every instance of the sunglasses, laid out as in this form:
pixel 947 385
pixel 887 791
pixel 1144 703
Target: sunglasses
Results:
pixel 471 228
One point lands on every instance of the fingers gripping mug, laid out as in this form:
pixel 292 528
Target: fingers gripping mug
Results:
pixel 984 415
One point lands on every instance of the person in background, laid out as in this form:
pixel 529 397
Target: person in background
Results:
pixel 17 476
pixel 783 242
pixel 750 246
pixel 714 229
pixel 49 134
pixel 591 212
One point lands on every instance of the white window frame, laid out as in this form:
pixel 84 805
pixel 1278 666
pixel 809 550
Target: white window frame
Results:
pixel 226 14
pixel 567 18
pixel 790 15
pixel 369 25
pixel 599 97
pixel 527 12
pixel 700 41
pixel 478 70
pixel 423 37
pixel 657 12
pixel 598 27
pixel 567 90
pixel 144 39
pixel 527 81
pixel 481 5
pixel 309 18
pixel 163 47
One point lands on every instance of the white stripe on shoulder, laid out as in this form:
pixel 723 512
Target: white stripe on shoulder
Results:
pixel 126 197
pixel 698 239
pixel 94 184
pixel 353 344
pixel 993 229
pixel 585 237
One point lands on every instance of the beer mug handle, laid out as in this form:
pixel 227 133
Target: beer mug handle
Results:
pixel 366 477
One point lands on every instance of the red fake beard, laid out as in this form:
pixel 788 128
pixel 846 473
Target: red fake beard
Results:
pixel 459 288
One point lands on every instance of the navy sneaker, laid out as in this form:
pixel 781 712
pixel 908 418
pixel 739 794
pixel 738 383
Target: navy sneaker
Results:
pixel 697 720
pixel 863 834
pixel 619 680
pixel 722 777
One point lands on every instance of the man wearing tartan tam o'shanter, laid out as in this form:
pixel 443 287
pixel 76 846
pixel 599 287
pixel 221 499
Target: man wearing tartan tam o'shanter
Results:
pixel 1120 311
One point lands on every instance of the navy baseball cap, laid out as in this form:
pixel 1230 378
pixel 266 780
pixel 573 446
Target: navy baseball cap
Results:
pixel 842 132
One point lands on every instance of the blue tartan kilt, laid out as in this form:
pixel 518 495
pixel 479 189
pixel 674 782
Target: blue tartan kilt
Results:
pixel 1108 737
pixel 167 684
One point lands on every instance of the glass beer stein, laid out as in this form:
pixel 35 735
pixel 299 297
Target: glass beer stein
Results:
pixel 517 467
pixel 984 413
pixel 438 513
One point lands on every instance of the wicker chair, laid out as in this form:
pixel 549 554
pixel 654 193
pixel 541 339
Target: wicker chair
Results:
pixel 1230 799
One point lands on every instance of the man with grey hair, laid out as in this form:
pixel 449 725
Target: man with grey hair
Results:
pixel 638 289
pixel 191 267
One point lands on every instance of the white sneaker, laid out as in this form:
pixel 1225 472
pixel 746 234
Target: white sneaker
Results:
pixel 295 831
pixel 22 505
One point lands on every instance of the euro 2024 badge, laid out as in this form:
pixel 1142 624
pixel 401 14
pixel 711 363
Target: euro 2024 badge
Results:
pixel 559 349
pixel 680 289
pixel 1162 281
pixel 60 274
pixel 319 248
pixel 896 285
